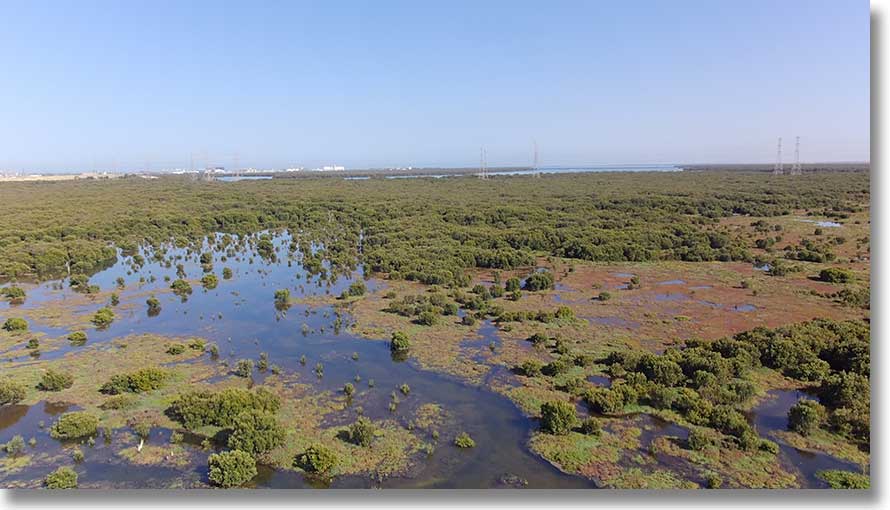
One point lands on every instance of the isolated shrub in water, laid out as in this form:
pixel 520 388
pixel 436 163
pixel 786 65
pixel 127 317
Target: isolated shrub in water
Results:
pixel 11 392
pixel 399 342
pixel 55 381
pixel 103 317
pixel 15 446
pixel 805 417
pixel 558 417
pixel 77 338
pixel 181 287
pixel 463 440
pixel 540 280
pixel 231 469
pixel 244 368
pixel 317 459
pixel 62 478
pixel 15 324
pixel 74 425
pixel 209 281
pixel 154 305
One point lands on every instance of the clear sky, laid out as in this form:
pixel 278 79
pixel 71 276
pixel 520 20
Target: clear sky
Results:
pixel 423 83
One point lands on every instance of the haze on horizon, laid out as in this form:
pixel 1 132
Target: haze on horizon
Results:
pixel 106 84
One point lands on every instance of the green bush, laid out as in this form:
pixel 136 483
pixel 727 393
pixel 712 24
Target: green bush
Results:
pixel 427 318
pixel 399 342
pixel 531 368
pixel 838 479
pixel 355 289
pixel 244 368
pixel 805 417
pixel 175 349
pixel 15 324
pixel 52 380
pixel 701 439
pixel 604 400
pixel 209 281
pixel 62 478
pixel 13 293
pixel 539 280
pixel 836 275
pixel 317 459
pixel 154 305
pixel 103 317
pixel 142 380
pixel 181 287
pixel 11 392
pixel 255 432
pixel 591 427
pixel 361 432
pixel 282 296
pixel 122 401
pixel 74 425
pixel 15 446
pixel 558 417
pixel 199 408
pixel 463 440
pixel 77 338
pixel 227 273
pixel 231 469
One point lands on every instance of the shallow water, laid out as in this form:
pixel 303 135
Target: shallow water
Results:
pixel 240 317
pixel 771 415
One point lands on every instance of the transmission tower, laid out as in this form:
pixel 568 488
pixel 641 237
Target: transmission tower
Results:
pixel 777 170
pixel 536 172
pixel 236 168
pixel 483 165
pixel 795 169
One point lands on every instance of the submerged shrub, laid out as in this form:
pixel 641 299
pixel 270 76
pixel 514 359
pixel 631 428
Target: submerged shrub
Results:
pixel 231 469
pixel 181 287
pixel 244 368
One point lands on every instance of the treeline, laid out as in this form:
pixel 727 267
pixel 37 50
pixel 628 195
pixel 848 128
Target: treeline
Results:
pixel 418 229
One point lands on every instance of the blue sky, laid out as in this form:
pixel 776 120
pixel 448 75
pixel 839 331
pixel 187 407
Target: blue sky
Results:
pixel 371 84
